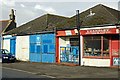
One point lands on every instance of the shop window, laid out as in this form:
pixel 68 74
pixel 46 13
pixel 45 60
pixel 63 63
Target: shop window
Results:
pixel 96 46
pixel 105 45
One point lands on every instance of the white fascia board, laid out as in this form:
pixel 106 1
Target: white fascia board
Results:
pixel 98 27
pixel 6 36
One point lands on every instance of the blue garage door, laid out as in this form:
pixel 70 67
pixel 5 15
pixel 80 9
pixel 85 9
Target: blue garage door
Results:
pixel 42 48
pixel 48 48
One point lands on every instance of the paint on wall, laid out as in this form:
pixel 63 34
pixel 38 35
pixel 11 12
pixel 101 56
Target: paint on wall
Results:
pixel 22 48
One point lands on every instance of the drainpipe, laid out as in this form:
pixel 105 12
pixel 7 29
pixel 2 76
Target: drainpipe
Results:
pixel 78 28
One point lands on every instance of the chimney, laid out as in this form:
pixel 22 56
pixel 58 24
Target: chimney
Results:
pixel 12 16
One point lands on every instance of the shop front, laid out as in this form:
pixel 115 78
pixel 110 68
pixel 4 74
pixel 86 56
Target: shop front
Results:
pixel 67 50
pixel 100 46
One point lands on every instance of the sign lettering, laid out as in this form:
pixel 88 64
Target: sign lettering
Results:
pixel 99 31
pixel 68 32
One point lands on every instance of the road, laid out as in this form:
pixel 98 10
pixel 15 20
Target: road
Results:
pixel 15 73
pixel 62 71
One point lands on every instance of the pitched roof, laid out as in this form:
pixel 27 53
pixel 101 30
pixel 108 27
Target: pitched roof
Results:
pixel 46 22
pixel 101 15
pixel 6 25
pixel 3 25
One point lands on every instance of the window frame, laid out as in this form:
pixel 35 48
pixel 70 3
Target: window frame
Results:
pixel 102 47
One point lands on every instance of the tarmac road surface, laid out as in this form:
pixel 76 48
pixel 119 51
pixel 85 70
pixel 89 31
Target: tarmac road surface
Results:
pixel 62 71
pixel 15 73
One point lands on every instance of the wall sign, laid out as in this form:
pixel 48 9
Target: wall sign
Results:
pixel 68 32
pixel 116 61
pixel 99 31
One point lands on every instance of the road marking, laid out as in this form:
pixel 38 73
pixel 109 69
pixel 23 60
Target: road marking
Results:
pixel 48 76
pixel 28 72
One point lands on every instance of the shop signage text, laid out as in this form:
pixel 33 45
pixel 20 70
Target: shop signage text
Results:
pixel 68 32
pixel 98 31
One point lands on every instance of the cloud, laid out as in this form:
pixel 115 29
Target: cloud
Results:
pixel 24 15
pixel 45 9
pixel 37 7
pixel 22 5
pixel 50 10
pixel 8 2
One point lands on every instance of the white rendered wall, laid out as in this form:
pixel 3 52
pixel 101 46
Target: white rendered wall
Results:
pixel 62 42
pixel 96 62
pixel 6 44
pixel 22 48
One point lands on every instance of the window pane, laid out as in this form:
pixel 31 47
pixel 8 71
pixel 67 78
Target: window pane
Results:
pixel 92 45
pixel 106 45
pixel 92 37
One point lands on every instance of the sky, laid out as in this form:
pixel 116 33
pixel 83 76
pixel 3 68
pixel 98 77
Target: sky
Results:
pixel 27 10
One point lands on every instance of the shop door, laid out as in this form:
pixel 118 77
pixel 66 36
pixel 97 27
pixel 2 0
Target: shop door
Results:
pixel 69 54
pixel 12 46
pixel 115 50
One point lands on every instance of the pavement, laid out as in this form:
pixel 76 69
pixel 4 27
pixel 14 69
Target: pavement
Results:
pixel 63 71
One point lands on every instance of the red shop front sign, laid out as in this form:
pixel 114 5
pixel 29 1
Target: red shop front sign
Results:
pixel 99 31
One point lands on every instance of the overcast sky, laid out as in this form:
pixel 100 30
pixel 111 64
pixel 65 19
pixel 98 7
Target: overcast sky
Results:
pixel 27 10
